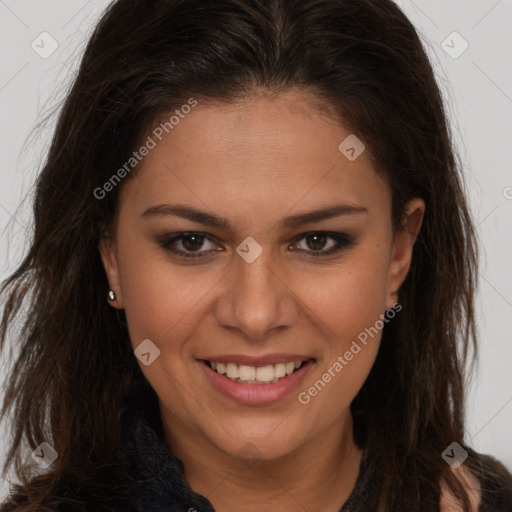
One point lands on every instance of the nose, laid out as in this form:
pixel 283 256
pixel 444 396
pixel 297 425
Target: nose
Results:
pixel 256 299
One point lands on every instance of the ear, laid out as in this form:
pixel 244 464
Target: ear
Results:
pixel 403 243
pixel 107 250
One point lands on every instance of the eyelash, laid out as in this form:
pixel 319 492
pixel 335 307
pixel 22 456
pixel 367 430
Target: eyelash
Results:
pixel 342 239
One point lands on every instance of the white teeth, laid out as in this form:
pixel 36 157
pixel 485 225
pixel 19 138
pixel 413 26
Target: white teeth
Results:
pixel 280 369
pixel 265 373
pixel 247 372
pixel 253 374
pixel 232 371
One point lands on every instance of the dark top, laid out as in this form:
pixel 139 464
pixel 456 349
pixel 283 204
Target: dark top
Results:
pixel 163 487
pixel 158 483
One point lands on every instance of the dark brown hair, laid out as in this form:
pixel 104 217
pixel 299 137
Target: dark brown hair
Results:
pixel 362 59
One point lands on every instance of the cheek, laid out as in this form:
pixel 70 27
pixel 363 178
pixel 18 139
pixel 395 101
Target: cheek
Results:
pixel 349 308
pixel 161 300
pixel 351 297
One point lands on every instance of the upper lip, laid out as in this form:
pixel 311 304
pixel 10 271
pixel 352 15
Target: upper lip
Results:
pixel 256 360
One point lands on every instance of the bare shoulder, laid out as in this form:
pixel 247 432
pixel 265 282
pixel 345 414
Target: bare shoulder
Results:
pixel 448 503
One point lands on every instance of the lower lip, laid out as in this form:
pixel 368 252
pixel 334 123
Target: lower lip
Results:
pixel 256 393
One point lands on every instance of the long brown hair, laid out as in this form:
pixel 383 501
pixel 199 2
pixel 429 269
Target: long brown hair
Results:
pixel 361 58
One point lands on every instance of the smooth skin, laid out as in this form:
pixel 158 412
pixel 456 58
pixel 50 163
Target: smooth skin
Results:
pixel 255 163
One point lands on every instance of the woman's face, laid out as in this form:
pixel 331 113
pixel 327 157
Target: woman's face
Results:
pixel 268 287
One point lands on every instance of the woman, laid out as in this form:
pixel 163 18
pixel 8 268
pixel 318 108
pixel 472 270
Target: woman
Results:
pixel 268 197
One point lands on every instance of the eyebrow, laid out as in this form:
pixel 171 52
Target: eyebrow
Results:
pixel 209 219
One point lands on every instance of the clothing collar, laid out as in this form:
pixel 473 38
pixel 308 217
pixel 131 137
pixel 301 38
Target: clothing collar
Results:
pixel 158 479
pixel 157 475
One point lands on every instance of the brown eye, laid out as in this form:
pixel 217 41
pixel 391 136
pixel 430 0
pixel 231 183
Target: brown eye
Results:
pixel 191 245
pixel 192 242
pixel 316 242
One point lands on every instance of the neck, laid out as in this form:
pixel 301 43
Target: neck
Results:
pixel 318 476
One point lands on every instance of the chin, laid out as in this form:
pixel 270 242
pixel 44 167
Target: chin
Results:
pixel 261 440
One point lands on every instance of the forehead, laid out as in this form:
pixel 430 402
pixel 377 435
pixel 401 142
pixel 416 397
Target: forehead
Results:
pixel 262 151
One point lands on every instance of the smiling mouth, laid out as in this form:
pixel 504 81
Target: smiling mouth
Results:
pixel 268 374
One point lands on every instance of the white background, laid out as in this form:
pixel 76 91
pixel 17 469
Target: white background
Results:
pixel 477 84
